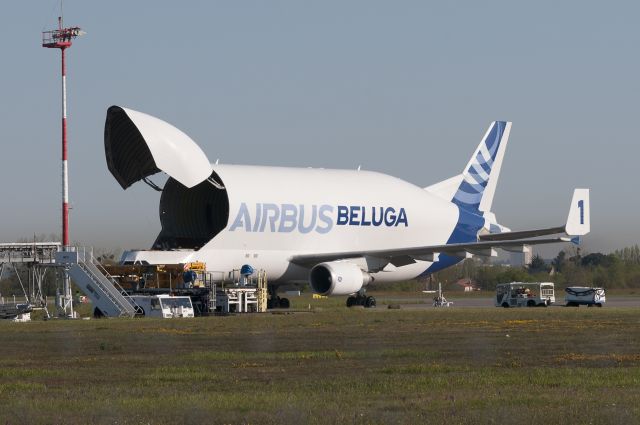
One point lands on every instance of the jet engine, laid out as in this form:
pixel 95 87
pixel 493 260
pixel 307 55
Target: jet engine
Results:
pixel 338 278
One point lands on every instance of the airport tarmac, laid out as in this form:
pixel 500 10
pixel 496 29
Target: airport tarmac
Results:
pixel 479 302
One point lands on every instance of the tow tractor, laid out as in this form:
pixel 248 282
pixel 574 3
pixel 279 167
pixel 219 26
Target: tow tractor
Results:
pixel 525 294
pixel 581 295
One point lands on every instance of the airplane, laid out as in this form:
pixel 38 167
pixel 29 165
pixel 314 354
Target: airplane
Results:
pixel 337 230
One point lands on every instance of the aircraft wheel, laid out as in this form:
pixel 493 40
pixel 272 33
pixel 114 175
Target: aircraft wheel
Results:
pixel 284 303
pixel 370 302
pixel 351 301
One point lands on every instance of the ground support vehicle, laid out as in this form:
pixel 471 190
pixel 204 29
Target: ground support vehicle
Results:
pixel 525 294
pixel 164 306
pixel 17 312
pixel 582 295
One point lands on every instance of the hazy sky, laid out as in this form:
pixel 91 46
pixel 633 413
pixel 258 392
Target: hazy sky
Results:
pixel 402 87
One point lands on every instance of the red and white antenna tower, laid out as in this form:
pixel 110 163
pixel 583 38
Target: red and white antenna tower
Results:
pixel 61 39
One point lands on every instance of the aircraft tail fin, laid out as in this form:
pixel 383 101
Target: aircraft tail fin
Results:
pixel 579 220
pixel 475 187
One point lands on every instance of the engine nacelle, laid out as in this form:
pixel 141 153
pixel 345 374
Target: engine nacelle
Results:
pixel 338 278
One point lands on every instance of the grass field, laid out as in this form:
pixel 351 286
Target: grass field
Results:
pixel 328 365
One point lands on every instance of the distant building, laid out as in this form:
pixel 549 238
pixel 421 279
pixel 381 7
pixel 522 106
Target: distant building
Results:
pixel 520 259
pixel 466 284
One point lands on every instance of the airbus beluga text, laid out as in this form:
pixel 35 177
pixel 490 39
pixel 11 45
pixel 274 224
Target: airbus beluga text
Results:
pixel 338 230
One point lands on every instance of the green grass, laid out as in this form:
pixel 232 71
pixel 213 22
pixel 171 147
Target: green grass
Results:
pixel 328 365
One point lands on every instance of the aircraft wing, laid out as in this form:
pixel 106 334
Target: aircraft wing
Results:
pixel 405 256
pixel 578 224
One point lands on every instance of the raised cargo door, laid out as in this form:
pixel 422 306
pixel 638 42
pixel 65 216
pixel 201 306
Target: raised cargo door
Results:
pixel 138 145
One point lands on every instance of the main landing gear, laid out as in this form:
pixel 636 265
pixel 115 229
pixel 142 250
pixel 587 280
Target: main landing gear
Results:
pixel 362 299
pixel 274 301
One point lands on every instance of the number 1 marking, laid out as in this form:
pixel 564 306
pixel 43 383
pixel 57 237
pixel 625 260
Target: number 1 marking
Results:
pixel 581 206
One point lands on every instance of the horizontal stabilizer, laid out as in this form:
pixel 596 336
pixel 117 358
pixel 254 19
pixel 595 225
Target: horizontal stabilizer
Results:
pixel 522 234
pixel 578 222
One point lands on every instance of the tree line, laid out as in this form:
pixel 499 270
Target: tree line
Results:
pixel 619 269
pixel 571 267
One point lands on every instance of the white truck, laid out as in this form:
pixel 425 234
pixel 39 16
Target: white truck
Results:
pixel 583 295
pixel 164 306
pixel 525 294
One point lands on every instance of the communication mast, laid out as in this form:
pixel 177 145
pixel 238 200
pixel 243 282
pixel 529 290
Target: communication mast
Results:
pixel 61 39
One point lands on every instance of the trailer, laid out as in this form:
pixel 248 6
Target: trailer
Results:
pixel 525 294
pixel 582 295
pixel 16 312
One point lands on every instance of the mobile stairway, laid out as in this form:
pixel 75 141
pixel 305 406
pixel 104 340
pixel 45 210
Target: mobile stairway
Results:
pixel 104 292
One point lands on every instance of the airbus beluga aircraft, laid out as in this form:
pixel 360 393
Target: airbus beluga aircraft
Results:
pixel 338 230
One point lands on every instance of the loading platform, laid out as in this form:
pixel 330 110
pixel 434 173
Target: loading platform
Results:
pixel 246 294
pixel 29 252
pixel 35 257
pixel 210 292
pixel 77 263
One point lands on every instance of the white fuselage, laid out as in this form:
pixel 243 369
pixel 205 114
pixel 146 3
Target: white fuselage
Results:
pixel 276 213
pixel 337 229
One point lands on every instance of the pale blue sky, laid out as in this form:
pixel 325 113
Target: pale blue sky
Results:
pixel 402 87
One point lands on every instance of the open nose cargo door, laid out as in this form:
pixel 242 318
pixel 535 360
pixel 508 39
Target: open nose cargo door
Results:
pixel 138 145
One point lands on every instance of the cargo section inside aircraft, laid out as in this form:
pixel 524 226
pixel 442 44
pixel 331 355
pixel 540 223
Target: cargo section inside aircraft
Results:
pixel 191 217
